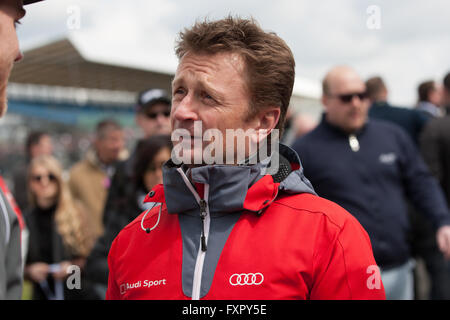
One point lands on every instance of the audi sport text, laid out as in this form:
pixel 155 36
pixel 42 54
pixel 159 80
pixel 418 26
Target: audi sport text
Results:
pixel 139 284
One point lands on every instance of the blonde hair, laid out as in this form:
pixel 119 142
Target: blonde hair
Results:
pixel 70 218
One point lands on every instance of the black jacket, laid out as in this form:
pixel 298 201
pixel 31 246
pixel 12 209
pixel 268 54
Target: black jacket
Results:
pixel 45 244
pixel 435 147
pixel 372 182
pixel 121 208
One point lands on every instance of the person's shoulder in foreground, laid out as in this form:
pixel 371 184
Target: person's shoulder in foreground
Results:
pixel 11 11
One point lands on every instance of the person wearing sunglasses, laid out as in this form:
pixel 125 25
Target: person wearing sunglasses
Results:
pixel 367 167
pixel 11 223
pixel 153 111
pixel 152 118
pixel 60 235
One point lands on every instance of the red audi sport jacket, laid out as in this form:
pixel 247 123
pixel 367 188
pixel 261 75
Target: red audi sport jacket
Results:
pixel 237 234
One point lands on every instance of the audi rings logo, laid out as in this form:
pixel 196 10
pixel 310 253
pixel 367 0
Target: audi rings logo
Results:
pixel 246 279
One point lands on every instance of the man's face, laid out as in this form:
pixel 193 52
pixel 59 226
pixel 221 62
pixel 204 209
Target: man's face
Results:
pixel 44 147
pixel 109 146
pixel 435 95
pixel 11 12
pixel 348 114
pixel 154 120
pixel 210 89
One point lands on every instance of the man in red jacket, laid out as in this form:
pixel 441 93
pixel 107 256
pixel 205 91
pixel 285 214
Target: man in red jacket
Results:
pixel 235 223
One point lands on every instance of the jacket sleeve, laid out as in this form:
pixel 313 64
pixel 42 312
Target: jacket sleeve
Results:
pixel 97 264
pixel 113 291
pixel 344 266
pixel 11 268
pixel 421 187
pixel 430 148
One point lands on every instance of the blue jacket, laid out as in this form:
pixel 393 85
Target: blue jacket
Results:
pixel 371 183
pixel 412 120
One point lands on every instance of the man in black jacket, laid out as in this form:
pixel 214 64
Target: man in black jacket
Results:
pixel 367 167
pixel 435 148
pixel 422 239
pixel 411 120
pixel 435 143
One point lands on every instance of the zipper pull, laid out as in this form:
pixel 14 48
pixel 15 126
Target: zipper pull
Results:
pixel 203 216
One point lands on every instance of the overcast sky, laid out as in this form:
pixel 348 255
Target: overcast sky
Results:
pixel 405 42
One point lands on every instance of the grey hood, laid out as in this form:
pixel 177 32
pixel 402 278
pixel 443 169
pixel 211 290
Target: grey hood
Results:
pixel 207 218
pixel 229 185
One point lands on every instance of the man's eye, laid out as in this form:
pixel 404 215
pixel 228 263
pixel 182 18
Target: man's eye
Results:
pixel 207 96
pixel 178 91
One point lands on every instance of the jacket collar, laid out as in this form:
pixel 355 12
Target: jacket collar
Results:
pixel 335 129
pixel 232 188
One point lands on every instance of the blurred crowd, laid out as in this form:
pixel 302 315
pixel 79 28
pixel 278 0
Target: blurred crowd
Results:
pixel 72 219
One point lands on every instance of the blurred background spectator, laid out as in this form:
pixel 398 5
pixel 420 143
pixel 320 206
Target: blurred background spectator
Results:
pixel 60 233
pixel 430 272
pixel 435 147
pixel 368 167
pixel 446 93
pixel 409 119
pixel 90 178
pixel 150 155
pixel 152 112
pixel 38 143
pixel 430 98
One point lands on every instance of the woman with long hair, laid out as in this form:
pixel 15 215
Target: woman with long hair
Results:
pixel 59 236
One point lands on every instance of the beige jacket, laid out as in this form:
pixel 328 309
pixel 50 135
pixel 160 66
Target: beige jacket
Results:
pixel 89 183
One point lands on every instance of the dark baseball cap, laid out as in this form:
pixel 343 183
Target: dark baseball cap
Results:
pixel 25 2
pixel 150 97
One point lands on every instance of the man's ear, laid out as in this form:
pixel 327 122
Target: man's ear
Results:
pixel 266 121
pixel 324 99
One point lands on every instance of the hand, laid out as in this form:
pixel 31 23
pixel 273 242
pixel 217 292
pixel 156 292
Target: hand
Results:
pixel 38 271
pixel 443 240
pixel 62 273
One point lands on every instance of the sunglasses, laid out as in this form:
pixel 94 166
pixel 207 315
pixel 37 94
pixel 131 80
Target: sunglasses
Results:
pixel 39 178
pixel 346 98
pixel 154 115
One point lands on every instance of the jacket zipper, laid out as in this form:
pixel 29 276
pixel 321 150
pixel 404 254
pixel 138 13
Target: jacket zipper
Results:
pixel 206 220
pixel 198 270
pixel 203 215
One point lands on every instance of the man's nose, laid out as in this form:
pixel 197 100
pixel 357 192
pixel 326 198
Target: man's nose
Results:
pixel 19 56
pixel 186 109
pixel 161 118
pixel 356 101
